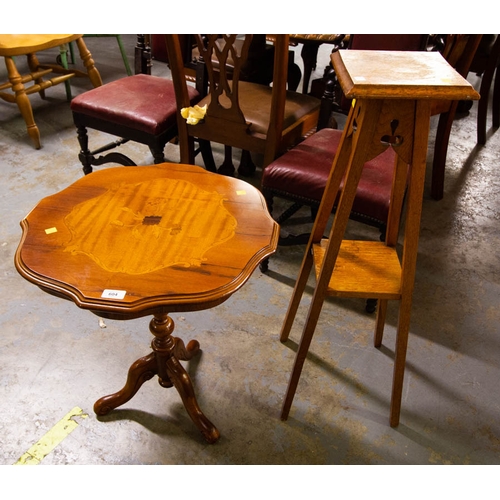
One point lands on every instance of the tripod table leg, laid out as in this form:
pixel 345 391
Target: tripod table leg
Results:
pixel 141 371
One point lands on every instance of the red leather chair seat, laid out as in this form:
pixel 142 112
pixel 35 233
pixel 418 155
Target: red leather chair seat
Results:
pixel 301 174
pixel 142 102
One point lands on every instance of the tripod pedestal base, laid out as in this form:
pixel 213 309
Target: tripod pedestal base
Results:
pixel 164 362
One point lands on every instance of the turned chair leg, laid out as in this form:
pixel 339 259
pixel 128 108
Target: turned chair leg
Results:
pixel 85 156
pixel 23 102
pixel 88 62
pixel 157 151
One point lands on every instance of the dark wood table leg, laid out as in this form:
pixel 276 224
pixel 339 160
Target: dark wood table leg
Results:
pixel 141 371
pixel 164 362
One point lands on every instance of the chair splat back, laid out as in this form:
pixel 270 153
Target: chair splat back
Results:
pixel 224 80
pixel 241 112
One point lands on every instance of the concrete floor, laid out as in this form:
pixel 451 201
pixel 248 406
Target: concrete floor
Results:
pixel 55 357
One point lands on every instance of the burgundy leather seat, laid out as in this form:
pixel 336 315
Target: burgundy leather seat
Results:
pixel 141 108
pixel 128 102
pixel 301 174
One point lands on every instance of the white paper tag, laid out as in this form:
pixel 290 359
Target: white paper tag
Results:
pixel 114 294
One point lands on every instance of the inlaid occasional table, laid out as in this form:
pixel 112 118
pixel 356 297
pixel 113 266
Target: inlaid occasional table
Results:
pixel 128 242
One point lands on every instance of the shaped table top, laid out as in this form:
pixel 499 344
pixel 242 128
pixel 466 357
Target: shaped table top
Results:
pixel 137 240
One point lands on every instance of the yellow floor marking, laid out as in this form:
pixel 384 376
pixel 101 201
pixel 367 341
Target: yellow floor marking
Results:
pixel 52 438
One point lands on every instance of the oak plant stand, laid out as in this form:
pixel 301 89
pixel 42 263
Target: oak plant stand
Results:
pixel 128 242
pixel 393 93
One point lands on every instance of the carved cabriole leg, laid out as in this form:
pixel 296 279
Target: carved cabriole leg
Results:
pixel 141 371
pixel 23 101
pixel 184 387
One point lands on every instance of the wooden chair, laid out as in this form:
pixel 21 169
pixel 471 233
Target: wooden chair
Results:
pixel 140 108
pixel 12 46
pixel 241 114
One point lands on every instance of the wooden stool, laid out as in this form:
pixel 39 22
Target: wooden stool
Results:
pixel 128 242
pixel 393 93
pixel 27 45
